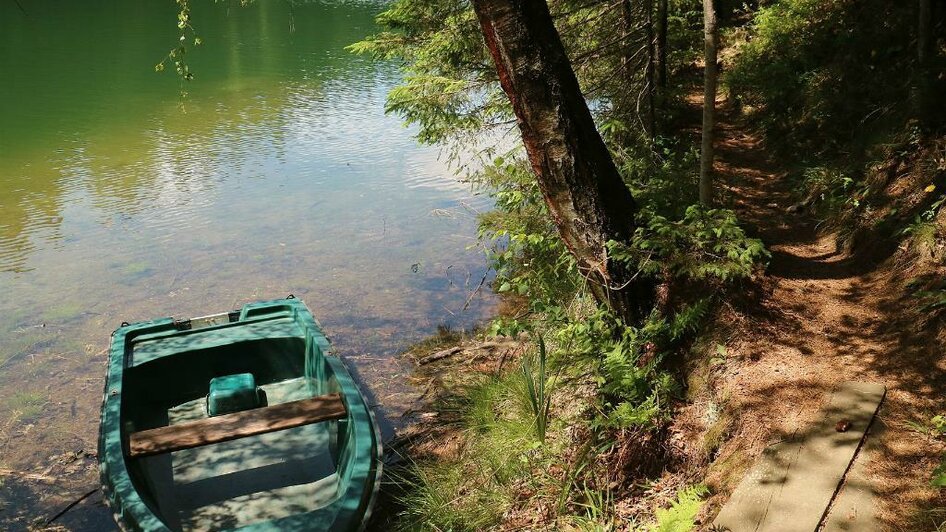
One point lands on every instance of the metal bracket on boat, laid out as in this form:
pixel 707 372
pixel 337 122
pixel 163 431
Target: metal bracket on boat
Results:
pixel 182 325
pixel 290 296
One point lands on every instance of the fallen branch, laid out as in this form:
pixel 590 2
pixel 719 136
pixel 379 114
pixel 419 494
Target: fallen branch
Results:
pixel 440 355
pixel 27 476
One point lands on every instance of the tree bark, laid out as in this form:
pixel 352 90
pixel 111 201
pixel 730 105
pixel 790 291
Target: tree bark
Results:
pixel 709 102
pixel 587 199
pixel 924 48
pixel 924 41
pixel 660 73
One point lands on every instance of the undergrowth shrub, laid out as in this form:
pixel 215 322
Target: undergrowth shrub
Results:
pixel 829 190
pixel 707 244
pixel 449 496
pixel 523 246
pixel 935 428
pixel 663 175
pixel 929 296
pixel 681 515
pixel 536 389
pixel 589 376
pixel 823 74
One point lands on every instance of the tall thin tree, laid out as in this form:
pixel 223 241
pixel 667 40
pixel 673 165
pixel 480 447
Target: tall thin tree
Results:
pixel 924 48
pixel 660 52
pixel 710 41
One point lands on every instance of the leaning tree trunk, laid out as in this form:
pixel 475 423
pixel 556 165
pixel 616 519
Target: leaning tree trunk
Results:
pixel 709 102
pixel 588 200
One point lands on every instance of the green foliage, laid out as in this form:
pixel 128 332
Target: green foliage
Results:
pixel 681 515
pixel 513 430
pixel 177 56
pixel 934 427
pixel 449 497
pixel 663 175
pixel 523 245
pixel 707 244
pixel 939 475
pixel 501 450
pixel 803 50
pixel 450 89
pixel 832 190
pixel 597 509
pixel 625 364
pixel 931 298
pixel 539 397
pixel 689 318
pixel 924 233
pixel 479 404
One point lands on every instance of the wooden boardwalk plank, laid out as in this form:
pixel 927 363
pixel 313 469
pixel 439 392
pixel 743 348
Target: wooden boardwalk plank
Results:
pixel 790 487
pixel 854 509
pixel 236 425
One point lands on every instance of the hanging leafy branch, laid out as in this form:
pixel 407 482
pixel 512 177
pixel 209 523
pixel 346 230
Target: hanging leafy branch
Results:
pixel 187 33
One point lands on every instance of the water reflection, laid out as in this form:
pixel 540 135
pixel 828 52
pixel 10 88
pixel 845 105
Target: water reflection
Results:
pixel 280 175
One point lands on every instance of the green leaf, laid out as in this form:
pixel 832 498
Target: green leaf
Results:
pixel 939 475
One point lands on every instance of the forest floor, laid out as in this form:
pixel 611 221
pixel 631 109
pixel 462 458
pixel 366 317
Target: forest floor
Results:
pixel 826 317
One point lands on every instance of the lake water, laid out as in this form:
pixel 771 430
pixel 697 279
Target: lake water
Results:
pixel 122 200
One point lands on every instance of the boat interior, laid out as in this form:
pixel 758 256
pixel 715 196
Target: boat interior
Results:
pixel 250 479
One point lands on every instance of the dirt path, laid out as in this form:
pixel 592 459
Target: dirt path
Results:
pixel 829 317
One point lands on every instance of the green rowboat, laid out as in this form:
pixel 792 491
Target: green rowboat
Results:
pixel 235 421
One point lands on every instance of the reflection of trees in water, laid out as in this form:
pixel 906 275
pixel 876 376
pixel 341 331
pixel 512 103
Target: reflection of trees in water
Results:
pixel 99 139
pixel 26 211
pixel 138 151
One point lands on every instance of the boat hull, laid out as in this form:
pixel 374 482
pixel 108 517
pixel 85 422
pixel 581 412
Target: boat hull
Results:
pixel 316 476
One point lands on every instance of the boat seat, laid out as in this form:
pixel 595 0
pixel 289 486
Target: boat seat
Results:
pixel 236 425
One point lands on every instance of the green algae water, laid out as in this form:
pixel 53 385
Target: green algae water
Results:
pixel 122 198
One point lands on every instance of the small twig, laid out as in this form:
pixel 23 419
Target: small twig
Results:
pixel 11 357
pixel 429 388
pixel 71 505
pixel 502 360
pixel 476 290
pixel 365 357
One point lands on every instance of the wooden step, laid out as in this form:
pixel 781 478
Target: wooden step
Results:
pixel 792 484
pixel 236 425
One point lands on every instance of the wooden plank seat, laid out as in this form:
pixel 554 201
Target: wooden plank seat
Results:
pixel 236 425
